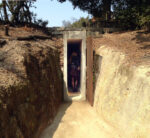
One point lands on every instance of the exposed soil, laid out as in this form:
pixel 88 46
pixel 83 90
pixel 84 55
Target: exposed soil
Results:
pixel 19 31
pixel 30 83
pixel 31 63
pixel 135 45
pixel 78 120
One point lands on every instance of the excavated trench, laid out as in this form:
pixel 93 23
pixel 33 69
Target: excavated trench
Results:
pixel 31 91
pixel 121 99
pixel 30 88
pixel 122 95
pixel 78 120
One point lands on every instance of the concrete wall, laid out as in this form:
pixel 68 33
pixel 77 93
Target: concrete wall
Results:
pixel 122 95
pixel 75 35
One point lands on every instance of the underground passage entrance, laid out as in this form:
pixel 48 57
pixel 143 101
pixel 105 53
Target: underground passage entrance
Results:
pixel 73 66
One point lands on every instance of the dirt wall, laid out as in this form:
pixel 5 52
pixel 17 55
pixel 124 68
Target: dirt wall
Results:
pixel 122 95
pixel 30 88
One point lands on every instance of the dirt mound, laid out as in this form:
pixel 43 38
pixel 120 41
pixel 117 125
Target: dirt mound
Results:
pixel 20 31
pixel 30 85
pixel 135 44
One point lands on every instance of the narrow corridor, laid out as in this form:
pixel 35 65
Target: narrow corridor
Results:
pixel 78 120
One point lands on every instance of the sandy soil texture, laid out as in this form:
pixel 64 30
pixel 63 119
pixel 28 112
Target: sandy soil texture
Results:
pixel 78 120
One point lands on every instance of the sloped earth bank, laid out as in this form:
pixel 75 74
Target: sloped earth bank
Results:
pixel 122 95
pixel 78 120
pixel 30 87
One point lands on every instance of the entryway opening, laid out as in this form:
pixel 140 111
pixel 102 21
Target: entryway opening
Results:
pixel 74 42
pixel 74 66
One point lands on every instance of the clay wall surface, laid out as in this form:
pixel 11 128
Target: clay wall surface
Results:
pixel 122 95
pixel 31 87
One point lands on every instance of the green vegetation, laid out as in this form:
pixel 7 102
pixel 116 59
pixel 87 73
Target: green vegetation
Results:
pixel 97 8
pixel 82 22
pixel 19 12
pixel 127 14
pixel 131 14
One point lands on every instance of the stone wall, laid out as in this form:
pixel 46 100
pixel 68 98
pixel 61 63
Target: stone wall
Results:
pixel 30 88
pixel 122 95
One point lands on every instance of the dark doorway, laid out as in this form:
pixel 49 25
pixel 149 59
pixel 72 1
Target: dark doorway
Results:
pixel 74 65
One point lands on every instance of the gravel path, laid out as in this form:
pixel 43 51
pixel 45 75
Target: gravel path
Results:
pixel 78 120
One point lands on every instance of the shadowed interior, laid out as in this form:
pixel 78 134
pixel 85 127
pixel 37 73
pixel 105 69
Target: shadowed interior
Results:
pixel 74 65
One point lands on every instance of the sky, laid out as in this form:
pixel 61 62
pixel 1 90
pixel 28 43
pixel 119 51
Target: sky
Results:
pixel 55 12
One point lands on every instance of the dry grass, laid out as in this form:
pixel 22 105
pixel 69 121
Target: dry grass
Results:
pixel 135 45
pixel 19 32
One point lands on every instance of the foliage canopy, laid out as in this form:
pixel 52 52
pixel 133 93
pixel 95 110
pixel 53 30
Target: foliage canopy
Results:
pixel 130 14
pixel 19 11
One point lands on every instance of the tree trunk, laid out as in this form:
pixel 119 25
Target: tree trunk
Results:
pixel 107 9
pixel 5 11
pixel 15 13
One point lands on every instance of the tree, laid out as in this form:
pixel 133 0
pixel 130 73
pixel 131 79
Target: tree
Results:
pixel 20 10
pixel 82 22
pixel 98 8
pixel 132 14
pixel 19 13
pixel 144 18
pixel 66 23
pixel 5 10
